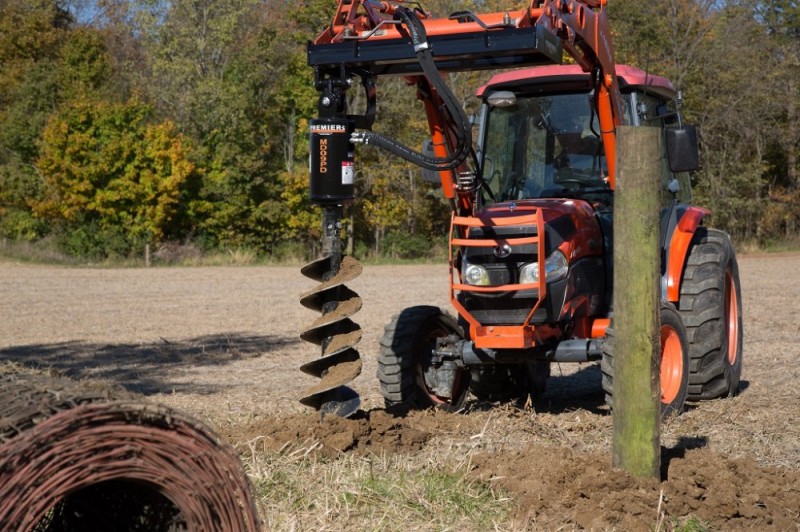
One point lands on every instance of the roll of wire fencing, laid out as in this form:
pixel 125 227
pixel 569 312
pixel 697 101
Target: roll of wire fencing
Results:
pixel 77 456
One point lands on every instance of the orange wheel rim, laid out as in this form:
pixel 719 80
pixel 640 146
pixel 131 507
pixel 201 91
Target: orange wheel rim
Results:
pixel 671 364
pixel 731 318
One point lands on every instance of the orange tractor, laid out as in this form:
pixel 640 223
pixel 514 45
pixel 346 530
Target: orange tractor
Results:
pixel 531 239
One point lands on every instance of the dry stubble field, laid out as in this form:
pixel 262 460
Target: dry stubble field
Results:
pixel 222 344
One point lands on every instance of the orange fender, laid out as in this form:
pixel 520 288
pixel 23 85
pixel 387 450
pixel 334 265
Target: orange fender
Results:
pixel 679 248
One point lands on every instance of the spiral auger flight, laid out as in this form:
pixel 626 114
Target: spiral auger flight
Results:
pixel 333 331
pixel 331 186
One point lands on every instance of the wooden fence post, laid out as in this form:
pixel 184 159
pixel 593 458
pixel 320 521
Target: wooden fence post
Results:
pixel 636 394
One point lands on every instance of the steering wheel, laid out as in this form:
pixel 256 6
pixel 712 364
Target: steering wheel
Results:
pixel 570 180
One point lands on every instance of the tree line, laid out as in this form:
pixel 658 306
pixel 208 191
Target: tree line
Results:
pixel 133 122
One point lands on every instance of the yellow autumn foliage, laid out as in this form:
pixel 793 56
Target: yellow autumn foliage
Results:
pixel 105 163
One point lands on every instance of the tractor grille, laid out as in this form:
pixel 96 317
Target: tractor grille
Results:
pixel 506 310
pixel 501 245
pixel 502 270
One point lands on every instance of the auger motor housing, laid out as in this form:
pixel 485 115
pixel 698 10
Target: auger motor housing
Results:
pixel 331 161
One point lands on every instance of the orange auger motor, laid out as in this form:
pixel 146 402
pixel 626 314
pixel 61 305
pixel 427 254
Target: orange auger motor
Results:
pixel 532 233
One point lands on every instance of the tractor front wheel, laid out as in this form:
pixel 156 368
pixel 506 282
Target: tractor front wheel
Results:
pixel 409 376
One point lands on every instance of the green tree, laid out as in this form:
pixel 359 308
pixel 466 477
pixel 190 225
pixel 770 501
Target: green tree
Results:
pixel 112 180
pixel 44 60
pixel 84 63
pixel 729 85
pixel 781 19
pixel 210 74
pixel 30 36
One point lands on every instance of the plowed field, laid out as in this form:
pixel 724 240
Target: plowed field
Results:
pixel 222 344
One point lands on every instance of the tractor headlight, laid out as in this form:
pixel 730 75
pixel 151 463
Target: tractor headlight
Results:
pixel 477 275
pixel 529 273
pixel 555 269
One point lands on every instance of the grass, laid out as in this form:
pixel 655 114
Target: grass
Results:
pixel 784 245
pixel 690 524
pixel 42 252
pixel 46 251
pixel 298 490
pixel 665 523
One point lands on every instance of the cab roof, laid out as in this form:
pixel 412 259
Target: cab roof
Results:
pixel 629 78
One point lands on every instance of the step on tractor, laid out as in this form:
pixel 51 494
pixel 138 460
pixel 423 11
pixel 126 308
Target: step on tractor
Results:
pixel 532 200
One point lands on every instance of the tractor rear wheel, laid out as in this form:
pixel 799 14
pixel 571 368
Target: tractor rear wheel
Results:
pixel 711 307
pixel 408 376
pixel 673 362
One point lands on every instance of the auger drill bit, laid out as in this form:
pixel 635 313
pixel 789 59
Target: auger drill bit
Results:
pixel 334 331
pixel 331 158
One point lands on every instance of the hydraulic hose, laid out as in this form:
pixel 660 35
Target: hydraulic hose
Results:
pixel 463 134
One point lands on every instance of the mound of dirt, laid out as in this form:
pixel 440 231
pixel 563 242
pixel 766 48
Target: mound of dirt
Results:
pixel 373 431
pixel 554 487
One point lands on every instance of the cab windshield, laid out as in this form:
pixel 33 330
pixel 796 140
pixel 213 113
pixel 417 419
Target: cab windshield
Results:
pixel 544 146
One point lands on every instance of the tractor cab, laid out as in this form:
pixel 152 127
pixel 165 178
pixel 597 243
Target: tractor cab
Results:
pixel 540 137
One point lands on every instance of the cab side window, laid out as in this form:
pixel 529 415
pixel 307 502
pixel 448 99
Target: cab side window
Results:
pixel 651 111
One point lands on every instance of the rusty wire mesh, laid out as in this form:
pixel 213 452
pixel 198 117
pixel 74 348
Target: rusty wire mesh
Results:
pixel 75 456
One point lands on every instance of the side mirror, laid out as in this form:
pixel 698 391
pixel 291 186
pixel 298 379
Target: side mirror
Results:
pixel 682 152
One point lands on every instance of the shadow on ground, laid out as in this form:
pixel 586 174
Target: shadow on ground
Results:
pixel 579 390
pixel 565 392
pixel 678 451
pixel 145 368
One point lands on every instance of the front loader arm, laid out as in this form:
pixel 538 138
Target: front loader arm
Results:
pixel 583 29
pixel 371 39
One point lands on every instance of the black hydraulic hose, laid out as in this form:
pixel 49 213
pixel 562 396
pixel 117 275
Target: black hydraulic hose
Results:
pixel 463 147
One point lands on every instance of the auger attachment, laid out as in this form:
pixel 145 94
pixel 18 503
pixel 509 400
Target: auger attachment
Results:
pixel 331 155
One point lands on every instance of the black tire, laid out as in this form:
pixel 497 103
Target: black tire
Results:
pixel 711 307
pixel 674 370
pixel 508 382
pixel 407 376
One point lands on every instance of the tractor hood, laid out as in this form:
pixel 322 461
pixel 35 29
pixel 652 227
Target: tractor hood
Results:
pixel 570 224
